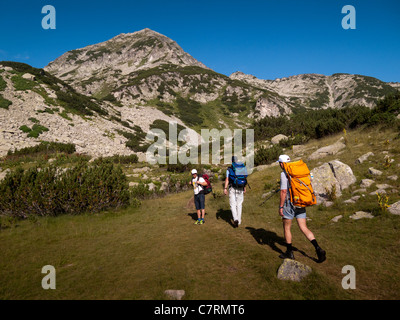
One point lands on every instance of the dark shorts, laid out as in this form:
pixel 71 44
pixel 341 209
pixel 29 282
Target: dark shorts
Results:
pixel 199 201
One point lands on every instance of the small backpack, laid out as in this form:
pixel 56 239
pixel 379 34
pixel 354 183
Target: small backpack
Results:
pixel 238 175
pixel 301 191
pixel 207 189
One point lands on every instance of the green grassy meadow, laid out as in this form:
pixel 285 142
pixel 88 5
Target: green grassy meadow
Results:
pixel 138 253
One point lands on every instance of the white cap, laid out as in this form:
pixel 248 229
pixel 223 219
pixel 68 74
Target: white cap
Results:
pixel 194 171
pixel 284 158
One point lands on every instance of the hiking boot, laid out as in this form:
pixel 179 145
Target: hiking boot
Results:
pixel 321 255
pixel 198 222
pixel 235 224
pixel 287 255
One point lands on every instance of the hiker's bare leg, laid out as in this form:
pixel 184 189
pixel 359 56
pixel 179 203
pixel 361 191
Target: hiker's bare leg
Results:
pixel 198 214
pixel 203 212
pixel 287 223
pixel 303 227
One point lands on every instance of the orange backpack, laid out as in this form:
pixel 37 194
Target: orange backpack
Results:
pixel 301 191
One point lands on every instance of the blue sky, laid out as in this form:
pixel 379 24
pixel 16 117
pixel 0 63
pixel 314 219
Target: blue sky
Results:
pixel 268 39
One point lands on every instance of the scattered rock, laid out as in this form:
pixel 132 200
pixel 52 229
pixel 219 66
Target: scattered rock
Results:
pixel 359 191
pixel 383 186
pixel 29 76
pixel 293 270
pixel 278 138
pixel 393 177
pixel 328 204
pixel 4 173
pixel 151 186
pixel 364 157
pixel 298 149
pixel 133 184
pixel 361 215
pixel 380 191
pixel 374 172
pixel 395 208
pixel 164 186
pixel 144 169
pixel 175 294
pixel 366 183
pixel 337 218
pixel 328 150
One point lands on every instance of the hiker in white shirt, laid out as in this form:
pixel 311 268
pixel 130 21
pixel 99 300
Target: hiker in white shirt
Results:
pixel 199 197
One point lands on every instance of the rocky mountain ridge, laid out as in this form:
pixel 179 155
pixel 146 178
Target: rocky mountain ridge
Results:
pixel 147 68
pixel 105 97
pixel 320 91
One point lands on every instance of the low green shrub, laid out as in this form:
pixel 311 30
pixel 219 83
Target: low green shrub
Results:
pixel 44 148
pixel 3 84
pixel 50 191
pixel 267 155
pixel 4 103
pixel 37 130
pixel 133 158
pixel 21 84
pixel 315 124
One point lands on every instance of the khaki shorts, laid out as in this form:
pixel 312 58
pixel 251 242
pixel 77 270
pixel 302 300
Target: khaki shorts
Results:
pixel 290 212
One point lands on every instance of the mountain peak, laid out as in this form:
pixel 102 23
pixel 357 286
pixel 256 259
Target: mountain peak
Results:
pixel 123 54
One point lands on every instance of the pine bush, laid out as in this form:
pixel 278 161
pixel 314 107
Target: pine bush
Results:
pixel 52 191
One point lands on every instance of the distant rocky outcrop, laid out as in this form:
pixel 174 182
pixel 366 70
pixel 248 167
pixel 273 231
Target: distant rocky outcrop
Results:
pixel 316 90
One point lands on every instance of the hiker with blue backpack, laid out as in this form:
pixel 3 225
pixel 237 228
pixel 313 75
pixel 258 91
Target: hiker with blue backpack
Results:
pixel 236 181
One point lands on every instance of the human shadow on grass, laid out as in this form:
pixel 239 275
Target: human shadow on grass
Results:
pixel 271 239
pixel 225 215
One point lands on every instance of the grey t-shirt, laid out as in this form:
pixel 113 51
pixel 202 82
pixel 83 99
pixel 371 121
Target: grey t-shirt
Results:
pixel 285 184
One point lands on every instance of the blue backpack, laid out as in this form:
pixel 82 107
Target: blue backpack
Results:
pixel 238 175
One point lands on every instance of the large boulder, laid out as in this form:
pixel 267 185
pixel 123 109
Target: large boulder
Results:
pixel 293 270
pixel 328 150
pixel 323 182
pixel 343 174
pixel 334 174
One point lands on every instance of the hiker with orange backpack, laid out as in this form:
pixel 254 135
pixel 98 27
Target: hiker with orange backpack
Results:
pixel 296 194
